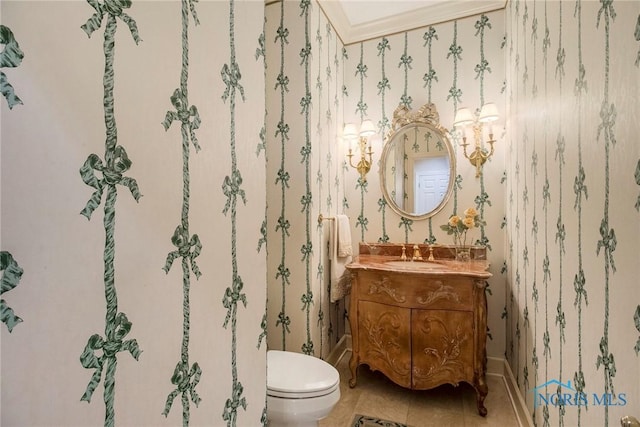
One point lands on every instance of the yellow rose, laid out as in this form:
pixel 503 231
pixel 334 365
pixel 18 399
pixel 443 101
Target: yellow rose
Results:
pixel 454 220
pixel 469 222
pixel 471 212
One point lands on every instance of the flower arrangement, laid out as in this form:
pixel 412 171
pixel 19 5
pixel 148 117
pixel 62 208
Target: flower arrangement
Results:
pixel 459 226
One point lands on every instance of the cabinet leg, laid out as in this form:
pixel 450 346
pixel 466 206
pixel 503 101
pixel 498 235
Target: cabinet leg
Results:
pixel 481 393
pixel 481 408
pixel 353 367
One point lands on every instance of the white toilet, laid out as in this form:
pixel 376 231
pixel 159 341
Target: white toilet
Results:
pixel 301 389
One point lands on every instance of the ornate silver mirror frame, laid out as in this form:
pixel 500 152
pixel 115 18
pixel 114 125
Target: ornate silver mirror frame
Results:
pixel 418 163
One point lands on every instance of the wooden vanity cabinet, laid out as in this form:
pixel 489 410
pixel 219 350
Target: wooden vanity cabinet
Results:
pixel 421 330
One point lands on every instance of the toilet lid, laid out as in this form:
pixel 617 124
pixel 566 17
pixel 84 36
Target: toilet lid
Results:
pixel 296 375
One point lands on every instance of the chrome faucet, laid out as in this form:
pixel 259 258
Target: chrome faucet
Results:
pixel 417 256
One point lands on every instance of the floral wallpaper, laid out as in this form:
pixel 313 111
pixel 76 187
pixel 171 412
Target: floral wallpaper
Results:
pixel 571 179
pixel 185 376
pixel 177 243
pixel 10 57
pixel 116 162
pixel 304 179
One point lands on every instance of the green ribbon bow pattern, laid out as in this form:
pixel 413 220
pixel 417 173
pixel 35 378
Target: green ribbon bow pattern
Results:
pixel 11 56
pixel 184 113
pixel 185 381
pixel 110 347
pixel 184 244
pixel 232 405
pixel 117 163
pixel 231 77
pixel 232 296
pixel 11 274
pixel 115 9
pixel 231 189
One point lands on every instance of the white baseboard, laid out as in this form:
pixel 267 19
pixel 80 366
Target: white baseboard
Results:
pixel 495 366
pixel 518 402
pixel 339 350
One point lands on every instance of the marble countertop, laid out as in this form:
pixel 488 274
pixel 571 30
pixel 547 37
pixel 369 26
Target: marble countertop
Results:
pixel 442 267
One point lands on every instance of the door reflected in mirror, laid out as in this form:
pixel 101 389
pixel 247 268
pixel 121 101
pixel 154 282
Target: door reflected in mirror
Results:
pixel 417 167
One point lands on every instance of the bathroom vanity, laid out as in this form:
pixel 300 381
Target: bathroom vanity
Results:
pixel 421 323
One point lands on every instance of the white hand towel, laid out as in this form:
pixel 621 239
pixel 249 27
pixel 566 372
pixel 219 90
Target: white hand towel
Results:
pixel 340 278
pixel 344 236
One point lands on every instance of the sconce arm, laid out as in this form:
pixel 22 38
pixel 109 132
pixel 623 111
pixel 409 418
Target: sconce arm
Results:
pixel 350 156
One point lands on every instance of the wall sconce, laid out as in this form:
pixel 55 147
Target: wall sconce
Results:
pixel 464 118
pixel 351 132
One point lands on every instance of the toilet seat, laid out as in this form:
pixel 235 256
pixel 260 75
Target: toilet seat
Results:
pixel 299 376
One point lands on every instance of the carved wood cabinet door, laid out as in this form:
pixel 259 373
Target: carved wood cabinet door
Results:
pixel 442 347
pixel 384 337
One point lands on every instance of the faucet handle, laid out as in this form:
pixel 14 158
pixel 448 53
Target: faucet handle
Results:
pixel 403 257
pixel 431 258
pixel 417 256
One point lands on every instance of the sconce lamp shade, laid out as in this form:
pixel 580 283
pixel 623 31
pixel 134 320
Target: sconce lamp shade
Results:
pixel 463 117
pixel 350 131
pixel 367 128
pixel 488 113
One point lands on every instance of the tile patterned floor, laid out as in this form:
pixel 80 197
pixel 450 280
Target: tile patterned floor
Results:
pixel 376 396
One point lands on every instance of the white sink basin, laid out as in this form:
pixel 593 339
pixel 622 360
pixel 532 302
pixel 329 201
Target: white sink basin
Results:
pixel 415 265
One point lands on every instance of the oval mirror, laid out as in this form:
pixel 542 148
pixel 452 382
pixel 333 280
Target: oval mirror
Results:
pixel 417 167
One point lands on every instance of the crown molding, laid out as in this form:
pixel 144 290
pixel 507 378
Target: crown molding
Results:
pixel 418 18
pixel 335 14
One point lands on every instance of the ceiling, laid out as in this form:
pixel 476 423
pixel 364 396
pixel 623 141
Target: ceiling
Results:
pixel 358 20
